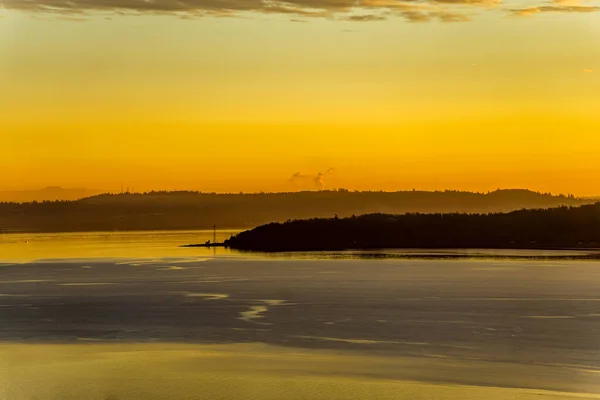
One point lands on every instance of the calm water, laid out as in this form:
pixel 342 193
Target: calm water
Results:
pixel 132 316
pixel 150 244
pixel 156 244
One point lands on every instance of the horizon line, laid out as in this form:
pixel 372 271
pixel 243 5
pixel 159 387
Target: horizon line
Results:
pixel 242 193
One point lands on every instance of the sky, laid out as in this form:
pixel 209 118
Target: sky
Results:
pixel 249 95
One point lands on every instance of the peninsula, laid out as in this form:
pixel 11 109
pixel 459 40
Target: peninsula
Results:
pixel 562 227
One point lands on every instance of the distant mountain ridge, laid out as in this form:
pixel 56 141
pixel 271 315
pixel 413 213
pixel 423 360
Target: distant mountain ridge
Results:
pixel 196 210
pixel 50 193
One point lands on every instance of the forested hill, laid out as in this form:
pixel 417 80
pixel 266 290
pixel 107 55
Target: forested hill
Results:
pixel 193 210
pixel 563 227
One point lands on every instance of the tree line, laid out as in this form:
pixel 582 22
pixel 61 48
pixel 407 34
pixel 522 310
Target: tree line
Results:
pixel 561 227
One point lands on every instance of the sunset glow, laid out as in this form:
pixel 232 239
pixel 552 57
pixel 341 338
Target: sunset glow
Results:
pixel 389 95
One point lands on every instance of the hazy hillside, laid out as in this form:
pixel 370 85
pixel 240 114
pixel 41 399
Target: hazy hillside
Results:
pixel 193 210
pixel 50 193
pixel 561 227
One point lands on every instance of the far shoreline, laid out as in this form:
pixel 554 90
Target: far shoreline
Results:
pixel 429 254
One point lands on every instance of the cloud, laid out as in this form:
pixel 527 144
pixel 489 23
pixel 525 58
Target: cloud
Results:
pixel 558 6
pixel 535 10
pixel 297 176
pixel 364 18
pixel 318 180
pixel 416 16
pixel 301 10
pixel 445 16
pixel 347 10
pixel 427 16
pixel 483 3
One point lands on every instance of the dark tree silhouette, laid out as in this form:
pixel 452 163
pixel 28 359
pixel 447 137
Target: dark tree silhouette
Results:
pixel 562 227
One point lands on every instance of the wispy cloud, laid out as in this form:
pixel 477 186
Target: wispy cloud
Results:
pixel 301 10
pixel 365 17
pixel 348 10
pixel 558 6
pixel 299 179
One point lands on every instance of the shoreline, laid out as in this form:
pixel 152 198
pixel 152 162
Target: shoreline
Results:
pixel 392 256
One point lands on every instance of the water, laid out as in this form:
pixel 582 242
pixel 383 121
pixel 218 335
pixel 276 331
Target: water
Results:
pixel 133 316
pixel 155 244
pixel 147 244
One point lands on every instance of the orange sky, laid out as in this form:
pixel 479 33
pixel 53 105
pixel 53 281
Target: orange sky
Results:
pixel 241 102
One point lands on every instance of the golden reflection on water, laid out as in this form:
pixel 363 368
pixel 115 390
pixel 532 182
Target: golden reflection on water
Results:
pixel 147 246
pixel 96 371
pixel 150 244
